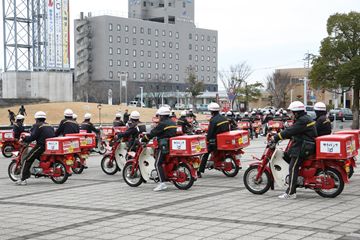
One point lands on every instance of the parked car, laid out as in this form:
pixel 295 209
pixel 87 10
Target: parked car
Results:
pixel 201 107
pixel 311 112
pixel 136 104
pixel 180 106
pixel 342 114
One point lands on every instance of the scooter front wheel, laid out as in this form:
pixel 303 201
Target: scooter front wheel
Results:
pixel 59 168
pixel 133 179
pixel 14 174
pixel 338 180
pixel 108 165
pixel 102 148
pixel 234 170
pixel 7 151
pixel 78 167
pixel 260 186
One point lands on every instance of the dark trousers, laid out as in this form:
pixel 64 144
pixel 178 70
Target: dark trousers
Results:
pixel 35 153
pixel 204 161
pixel 158 165
pixel 295 163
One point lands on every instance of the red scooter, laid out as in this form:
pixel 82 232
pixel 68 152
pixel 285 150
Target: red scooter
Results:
pixel 247 127
pixel 180 165
pixel 325 173
pixel 226 157
pixel 55 163
pixel 8 143
pixel 274 127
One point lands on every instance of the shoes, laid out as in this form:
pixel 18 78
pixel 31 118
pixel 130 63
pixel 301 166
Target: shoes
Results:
pixel 199 175
pixel 21 183
pixel 288 196
pixel 162 186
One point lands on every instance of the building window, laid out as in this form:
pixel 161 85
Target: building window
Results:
pixel 110 51
pixel 170 76
pixel 177 77
pixel 156 43
pixel 110 63
pixel 141 41
pixel 190 35
pixel 149 31
pixel 208 68
pixel 141 52
pixel 196 58
pixel 111 75
pixel 156 54
pixel 126 51
pixel 119 62
pixel 196 48
pixel 118 51
pixel 170 33
pixel 110 27
pixel 184 4
pixel 118 39
pixel 149 42
pixel 157 77
pixel 118 27
pixel 202 48
pixel 196 37
pixel 170 65
pixel 202 58
pixel 149 64
pixel 141 75
pixel 214 59
pixel 141 30
pixel 202 68
pixel 208 48
pixel 142 64
pixel 202 78
pixel 208 78
pixel 163 65
pixel 126 40
pixel 163 77
pixel 196 68
pixel 134 64
pixel 177 56
pixel 214 49
pixel 177 35
pixel 214 39
pixel 110 39
pixel 208 38
pixel 177 45
pixel 134 41
pixel 164 55
pixel 164 33
pixel 126 28
pixel 214 69
pixel 134 30
pixel 134 53
pixel 149 76
pixel 208 59
pixel 156 32
pixel 170 55
pixel 149 53
pixel 164 44
pixel 190 57
pixel 170 44
pixel 134 75
pixel 156 66
pixel 202 38
pixel 126 63
pixel 177 67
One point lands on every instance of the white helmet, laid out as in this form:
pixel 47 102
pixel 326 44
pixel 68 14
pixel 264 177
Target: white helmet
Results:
pixel 229 113
pixel 246 113
pixel 266 112
pixel 164 111
pixel 296 106
pixel 253 112
pixel 183 114
pixel 284 112
pixel 68 113
pixel 40 115
pixel 118 115
pixel 320 106
pixel 213 107
pixel 87 116
pixel 135 115
pixel 277 113
pixel 20 117
pixel 74 116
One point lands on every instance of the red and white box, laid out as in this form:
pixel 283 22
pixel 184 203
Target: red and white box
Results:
pixel 355 132
pixel 337 147
pixel 275 124
pixel 188 145
pixel 62 145
pixel 7 136
pixel 244 125
pixel 233 140
pixel 204 126
pixel 108 131
pixel 120 129
pixel 87 140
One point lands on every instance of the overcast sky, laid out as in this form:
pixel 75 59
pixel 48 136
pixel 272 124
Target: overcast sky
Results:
pixel 268 34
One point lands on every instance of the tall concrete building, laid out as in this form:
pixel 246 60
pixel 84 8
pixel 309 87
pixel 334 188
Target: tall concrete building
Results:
pixel 152 49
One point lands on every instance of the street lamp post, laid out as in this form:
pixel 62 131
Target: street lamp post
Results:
pixel 141 96
pixel 99 107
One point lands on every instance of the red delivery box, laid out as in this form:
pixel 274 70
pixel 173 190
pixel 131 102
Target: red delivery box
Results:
pixel 244 125
pixel 337 146
pixel 120 129
pixel 233 140
pixel 204 126
pixel 275 124
pixel 256 124
pixel 87 140
pixel 355 132
pixel 188 145
pixel 62 145
pixel 7 136
pixel 108 131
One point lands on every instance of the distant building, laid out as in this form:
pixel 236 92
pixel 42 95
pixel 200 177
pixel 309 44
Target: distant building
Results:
pixel 153 49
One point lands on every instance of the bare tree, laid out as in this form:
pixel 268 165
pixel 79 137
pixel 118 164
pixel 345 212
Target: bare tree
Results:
pixel 196 87
pixel 277 85
pixel 233 79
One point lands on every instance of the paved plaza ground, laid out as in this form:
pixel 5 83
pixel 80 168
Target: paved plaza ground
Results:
pixel 96 206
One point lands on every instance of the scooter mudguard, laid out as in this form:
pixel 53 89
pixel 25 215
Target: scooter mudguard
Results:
pixel 147 163
pixel 279 168
pixel 120 155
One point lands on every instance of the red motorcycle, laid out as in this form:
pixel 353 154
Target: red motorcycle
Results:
pixel 325 173
pixel 226 157
pixel 247 127
pixel 8 143
pixel 55 163
pixel 87 142
pixel 180 165
pixel 274 127
pixel 257 128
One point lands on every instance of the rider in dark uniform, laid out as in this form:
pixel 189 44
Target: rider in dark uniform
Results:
pixel 163 131
pixel 117 121
pixel 218 124
pixel 67 125
pixel 231 118
pixel 18 127
pixel 302 134
pixel 323 124
pixel 183 122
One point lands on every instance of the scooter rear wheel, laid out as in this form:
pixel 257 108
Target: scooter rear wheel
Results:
pixel 339 183
pixel 64 175
pixel 133 180
pixel 235 168
pixel 189 178
pixel 7 151
pixel 257 187
pixel 102 149
pixel 351 172
pixel 12 171
pixel 108 165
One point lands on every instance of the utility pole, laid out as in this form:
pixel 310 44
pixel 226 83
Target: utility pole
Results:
pixel 307 59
